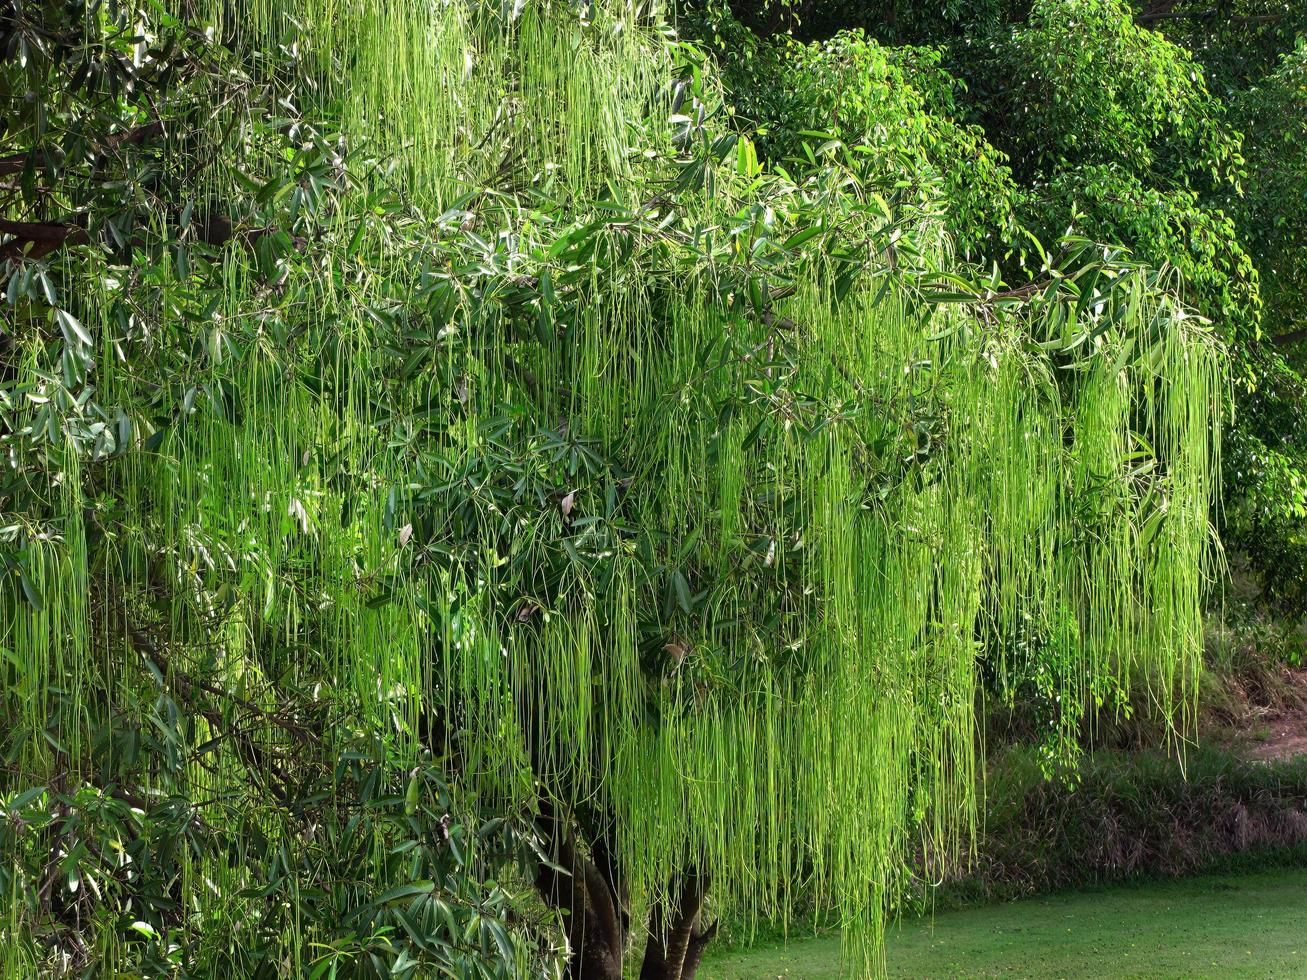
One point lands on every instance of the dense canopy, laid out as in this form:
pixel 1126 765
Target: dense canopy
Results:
pixel 443 461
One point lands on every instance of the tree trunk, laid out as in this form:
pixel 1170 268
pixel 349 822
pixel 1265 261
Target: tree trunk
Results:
pixel 676 937
pixel 587 890
pixel 593 918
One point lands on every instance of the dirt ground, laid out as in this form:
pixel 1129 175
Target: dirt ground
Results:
pixel 1279 731
pixel 1286 737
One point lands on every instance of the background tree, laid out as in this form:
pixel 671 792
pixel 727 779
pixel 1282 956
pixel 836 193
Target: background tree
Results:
pixel 1171 128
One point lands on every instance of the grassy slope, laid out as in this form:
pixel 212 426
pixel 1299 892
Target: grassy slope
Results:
pixel 1244 926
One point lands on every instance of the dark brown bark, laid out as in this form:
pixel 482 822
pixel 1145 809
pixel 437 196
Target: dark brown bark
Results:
pixel 587 889
pixel 592 917
pixel 15 163
pixel 676 938
pixel 37 239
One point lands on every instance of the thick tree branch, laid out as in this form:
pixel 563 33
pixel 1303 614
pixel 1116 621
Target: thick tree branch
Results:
pixel 37 239
pixel 15 163
pixel 576 887
pixel 694 955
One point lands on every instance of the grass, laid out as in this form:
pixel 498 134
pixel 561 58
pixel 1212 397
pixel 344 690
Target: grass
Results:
pixel 1234 926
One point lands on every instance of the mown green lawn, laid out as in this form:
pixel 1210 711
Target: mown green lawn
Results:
pixel 1238 926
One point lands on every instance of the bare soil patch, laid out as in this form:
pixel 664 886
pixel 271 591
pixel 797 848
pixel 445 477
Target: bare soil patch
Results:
pixel 1266 714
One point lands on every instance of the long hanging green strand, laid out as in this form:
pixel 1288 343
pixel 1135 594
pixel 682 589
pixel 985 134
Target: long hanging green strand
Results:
pixel 834 741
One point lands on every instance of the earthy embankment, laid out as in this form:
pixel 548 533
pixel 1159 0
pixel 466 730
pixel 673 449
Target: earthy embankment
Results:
pixel 1238 801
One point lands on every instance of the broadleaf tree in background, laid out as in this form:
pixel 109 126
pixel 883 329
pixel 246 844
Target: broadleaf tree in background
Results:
pixel 1171 127
pixel 467 514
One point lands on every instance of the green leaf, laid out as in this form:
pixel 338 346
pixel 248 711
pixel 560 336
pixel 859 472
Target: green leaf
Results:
pixel 401 892
pixel 25 797
pixel 411 795
pixel 47 287
pixel 144 929
pixel 74 332
pixel 32 593
pixel 799 237
pixel 500 936
pixel 681 587
pixel 355 239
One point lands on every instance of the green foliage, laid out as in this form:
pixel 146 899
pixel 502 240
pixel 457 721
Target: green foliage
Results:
pixel 1164 226
pixel 1112 131
pixel 1082 83
pixel 446 396
pixel 186 792
pixel 1174 129
pixel 1250 647
pixel 374 872
pixel 1266 461
pixel 1273 214
pixel 894 104
pixel 1238 42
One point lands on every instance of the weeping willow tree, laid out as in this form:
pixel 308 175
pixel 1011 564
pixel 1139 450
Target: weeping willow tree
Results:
pixel 435 446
